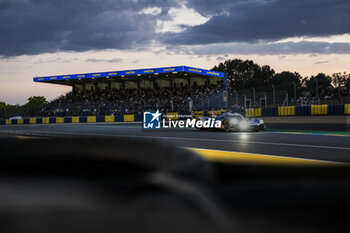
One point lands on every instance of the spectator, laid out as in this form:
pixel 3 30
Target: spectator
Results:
pixel 108 101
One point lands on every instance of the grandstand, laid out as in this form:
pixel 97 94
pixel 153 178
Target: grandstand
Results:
pixel 177 88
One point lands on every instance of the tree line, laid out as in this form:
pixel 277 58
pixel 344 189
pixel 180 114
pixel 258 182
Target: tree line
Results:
pixel 245 74
pixel 31 108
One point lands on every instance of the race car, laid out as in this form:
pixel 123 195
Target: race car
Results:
pixel 236 122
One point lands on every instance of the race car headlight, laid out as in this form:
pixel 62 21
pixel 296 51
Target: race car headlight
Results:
pixel 243 125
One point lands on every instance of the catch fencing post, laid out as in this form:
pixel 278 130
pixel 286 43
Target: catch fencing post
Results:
pixel 295 91
pixel 254 104
pixel 236 95
pixel 317 97
pixel 274 94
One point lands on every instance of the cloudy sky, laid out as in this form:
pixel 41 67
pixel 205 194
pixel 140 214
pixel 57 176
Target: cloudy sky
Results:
pixel 50 37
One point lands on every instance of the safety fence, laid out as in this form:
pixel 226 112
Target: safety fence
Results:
pixel 324 109
pixel 215 101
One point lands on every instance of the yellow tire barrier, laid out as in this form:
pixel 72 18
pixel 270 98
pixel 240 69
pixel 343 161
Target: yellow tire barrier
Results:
pixel 253 112
pixel 59 120
pixel 347 109
pixel 109 118
pixel 313 109
pixel 286 111
pixel 292 110
pixel 91 119
pixel 319 109
pixel 247 112
pixel 325 109
pixel 258 112
pixel 75 119
pixel 128 118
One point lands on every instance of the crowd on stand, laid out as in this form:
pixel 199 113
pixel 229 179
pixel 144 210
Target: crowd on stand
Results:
pixel 129 101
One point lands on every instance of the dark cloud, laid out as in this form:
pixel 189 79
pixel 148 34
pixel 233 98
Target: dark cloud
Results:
pixel 5 4
pixel 254 21
pixel 38 26
pixel 41 26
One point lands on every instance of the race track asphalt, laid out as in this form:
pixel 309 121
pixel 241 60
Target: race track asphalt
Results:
pixel 308 145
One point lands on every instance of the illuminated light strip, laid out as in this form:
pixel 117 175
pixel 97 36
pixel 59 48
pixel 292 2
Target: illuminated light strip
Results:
pixel 249 158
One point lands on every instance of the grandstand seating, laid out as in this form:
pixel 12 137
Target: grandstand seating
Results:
pixel 128 101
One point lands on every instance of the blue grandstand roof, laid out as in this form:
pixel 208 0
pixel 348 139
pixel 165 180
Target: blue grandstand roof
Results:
pixel 138 72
